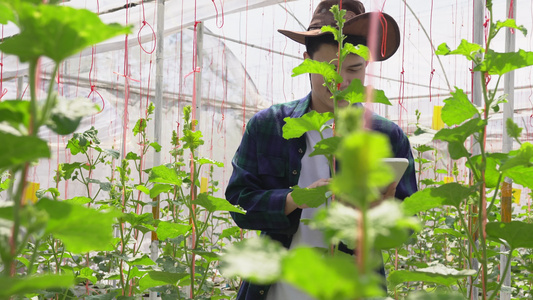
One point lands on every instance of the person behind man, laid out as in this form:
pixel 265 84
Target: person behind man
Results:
pixel 266 165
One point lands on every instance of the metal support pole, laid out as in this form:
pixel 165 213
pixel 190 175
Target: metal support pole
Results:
pixel 198 73
pixel 478 38
pixel 508 112
pixel 158 113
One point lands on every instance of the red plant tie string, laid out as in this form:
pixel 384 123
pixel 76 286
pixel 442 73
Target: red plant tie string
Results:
pixel 216 12
pixel 384 27
pixel 402 73
pixel 511 15
pixel 432 73
pixel 93 90
pixel 144 23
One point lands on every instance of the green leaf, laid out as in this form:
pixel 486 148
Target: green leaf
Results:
pixel 457 109
pixel 356 93
pixel 362 170
pixel 255 259
pixel 192 139
pixel 141 261
pixel 57 32
pixel 296 127
pixel 15 112
pixel 156 146
pixel 325 69
pixel 510 23
pixel 6 14
pixel 423 148
pixel 523 157
pixel 208 161
pixel 458 135
pixel 66 114
pixel 164 174
pixel 513 130
pixel 227 233
pixel 208 256
pixel 81 229
pixel 447 194
pixel 439 274
pixel 143 189
pixel 81 142
pixel 360 50
pixel 157 278
pixel 436 295
pixel 10 286
pixel 140 126
pixel 468 50
pixel 388 227
pixel 17 150
pixel 212 204
pixel 500 63
pixel 87 273
pixel 443 49
pixel 517 234
pixel 160 188
pixel 312 197
pixel 326 146
pixel 78 200
pixel 169 230
pixel 132 156
pixel 338 276
pixel 449 231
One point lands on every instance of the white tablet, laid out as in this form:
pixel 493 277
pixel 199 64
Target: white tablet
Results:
pixel 398 165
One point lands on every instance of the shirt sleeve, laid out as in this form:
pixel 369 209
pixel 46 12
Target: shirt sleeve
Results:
pixel 256 188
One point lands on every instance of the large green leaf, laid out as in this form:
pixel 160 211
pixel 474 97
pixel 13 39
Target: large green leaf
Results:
pixel 15 112
pixel 325 69
pixel 517 234
pixel 439 274
pixel 436 295
pixel 447 194
pixel 6 14
pixel 17 150
pixel 81 229
pixel 457 108
pixel 212 204
pixel 521 175
pixel 67 114
pixel 312 197
pixel 158 278
pixel 57 32
pixel 362 170
pixel 170 230
pixel 360 50
pixel 388 227
pixel 10 286
pixel 296 127
pixel 327 277
pixel 326 146
pixel 164 174
pixel 81 142
pixel 523 157
pixel 356 93
pixel 141 261
pixel 511 23
pixel 467 49
pixel 458 135
pixel 500 63
pixel 158 189
pixel 255 259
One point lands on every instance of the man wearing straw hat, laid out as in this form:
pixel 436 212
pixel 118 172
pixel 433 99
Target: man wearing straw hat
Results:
pixel 266 165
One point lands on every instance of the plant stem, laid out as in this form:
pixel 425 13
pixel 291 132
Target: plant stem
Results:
pixel 505 271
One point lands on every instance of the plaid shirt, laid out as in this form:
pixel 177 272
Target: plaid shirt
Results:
pixel 266 165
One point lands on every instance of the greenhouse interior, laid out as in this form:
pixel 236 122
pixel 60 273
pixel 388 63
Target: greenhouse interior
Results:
pixel 120 121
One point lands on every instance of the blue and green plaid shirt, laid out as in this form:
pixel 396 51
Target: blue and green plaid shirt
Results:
pixel 266 166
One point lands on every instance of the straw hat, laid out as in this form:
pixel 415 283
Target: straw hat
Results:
pixel 357 23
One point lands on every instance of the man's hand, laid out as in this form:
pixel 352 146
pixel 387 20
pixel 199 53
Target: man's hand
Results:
pixel 389 193
pixel 290 205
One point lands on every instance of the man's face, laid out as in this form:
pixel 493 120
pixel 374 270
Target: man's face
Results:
pixel 352 68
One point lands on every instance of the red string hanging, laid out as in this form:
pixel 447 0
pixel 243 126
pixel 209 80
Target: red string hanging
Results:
pixel 144 24
pixel 216 13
